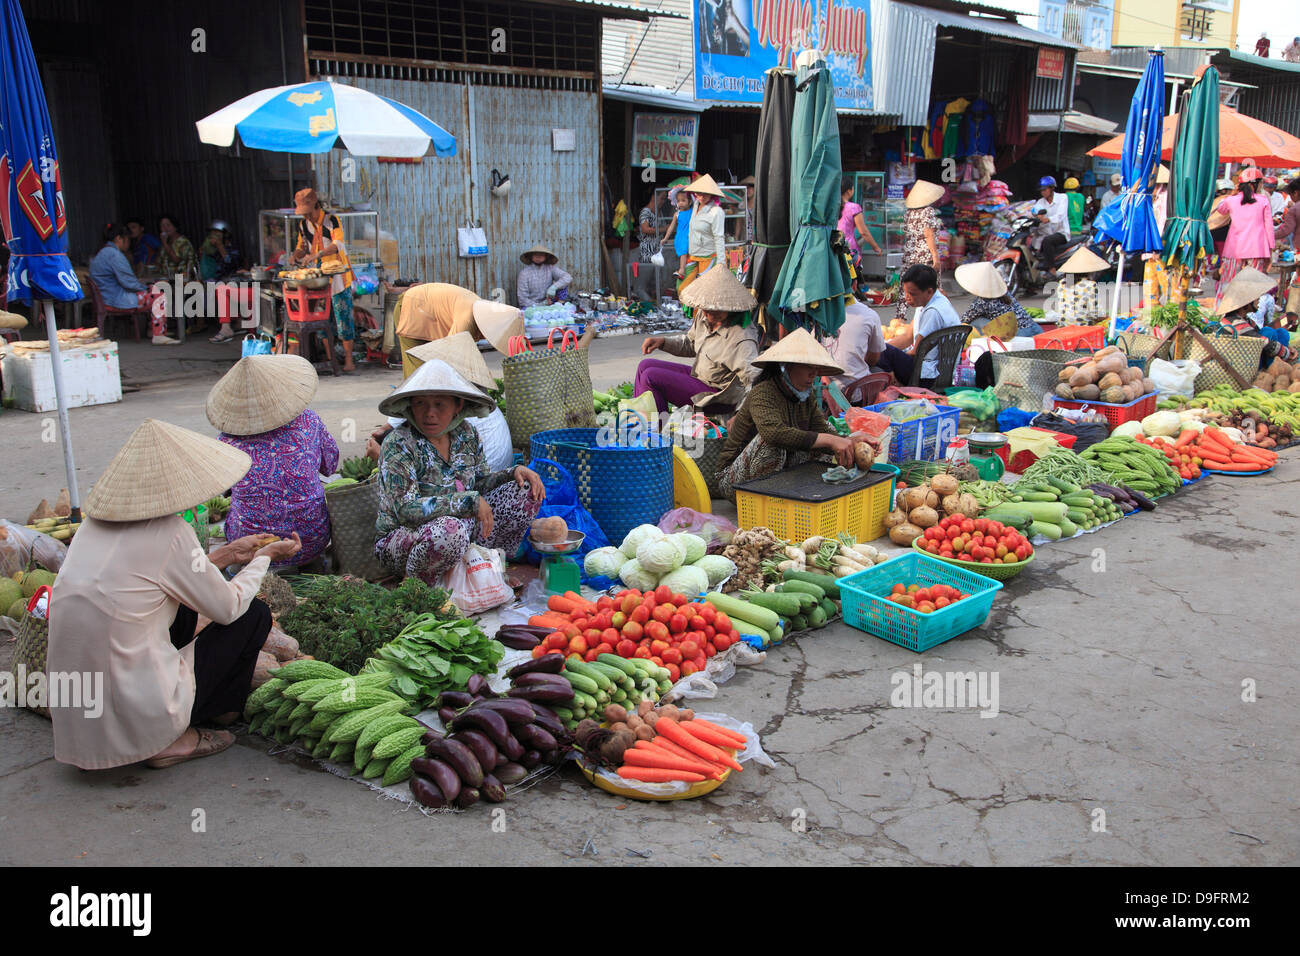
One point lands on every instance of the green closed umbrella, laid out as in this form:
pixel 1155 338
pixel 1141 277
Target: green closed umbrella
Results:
pixel 1192 177
pixel 814 279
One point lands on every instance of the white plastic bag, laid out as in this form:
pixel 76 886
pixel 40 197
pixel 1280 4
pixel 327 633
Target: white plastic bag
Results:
pixel 472 241
pixel 494 433
pixel 477 582
pixel 1175 378
pixel 22 549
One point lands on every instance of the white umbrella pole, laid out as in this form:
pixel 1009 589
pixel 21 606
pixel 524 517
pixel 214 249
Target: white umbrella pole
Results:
pixel 65 435
pixel 1119 283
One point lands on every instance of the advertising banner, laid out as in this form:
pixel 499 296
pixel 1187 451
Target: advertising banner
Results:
pixel 737 41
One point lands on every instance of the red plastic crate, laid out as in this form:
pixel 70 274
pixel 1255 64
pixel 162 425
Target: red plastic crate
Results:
pixel 1026 458
pixel 1116 414
pixel 1072 337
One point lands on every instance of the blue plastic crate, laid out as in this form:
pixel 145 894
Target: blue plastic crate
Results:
pixel 922 439
pixel 866 605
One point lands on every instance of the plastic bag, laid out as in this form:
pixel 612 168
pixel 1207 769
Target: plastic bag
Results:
pixel 22 548
pixel 1010 418
pixel 981 404
pixel 494 433
pixel 1175 378
pixel 562 502
pixel 869 423
pixel 477 581
pixel 716 530
pixel 901 412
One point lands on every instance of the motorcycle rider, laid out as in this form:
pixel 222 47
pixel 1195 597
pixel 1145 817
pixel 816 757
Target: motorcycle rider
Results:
pixel 1053 211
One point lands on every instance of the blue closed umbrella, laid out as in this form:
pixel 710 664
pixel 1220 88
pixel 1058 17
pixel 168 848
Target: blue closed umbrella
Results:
pixel 31 203
pixel 1131 220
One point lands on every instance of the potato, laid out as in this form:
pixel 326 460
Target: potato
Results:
pixel 668 710
pixel 864 456
pixel 944 485
pixel 644 708
pixel 895 518
pixel 913 497
pixel 645 732
pixel 685 713
pixel 951 503
pixel 931 499
pixel 924 517
pixel 616 714
pixel 634 721
pixel 905 533
pixel 618 725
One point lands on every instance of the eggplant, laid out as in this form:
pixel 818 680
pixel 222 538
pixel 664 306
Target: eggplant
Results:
pixel 446 714
pixel 546 717
pixel 1143 502
pixel 492 791
pixel 540 680
pixel 510 773
pixel 440 773
pixel 488 721
pixel 512 749
pixel 485 752
pixel 459 757
pixel 536 737
pixel 467 798
pixel 427 792
pixel 530 759
pixel 535 630
pixel 518 642
pixel 478 686
pixel 431 735
pixel 551 663
pixel 550 694
pixel 515 712
pixel 455 698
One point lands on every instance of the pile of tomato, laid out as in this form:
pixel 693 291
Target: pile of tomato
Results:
pixel 926 600
pixel 977 540
pixel 1182 458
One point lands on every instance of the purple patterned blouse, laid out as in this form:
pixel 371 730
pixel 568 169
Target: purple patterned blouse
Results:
pixel 282 492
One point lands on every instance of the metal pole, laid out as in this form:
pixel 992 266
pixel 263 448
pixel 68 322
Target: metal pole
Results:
pixel 1119 281
pixel 65 435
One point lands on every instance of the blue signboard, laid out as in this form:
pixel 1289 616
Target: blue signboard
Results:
pixel 737 41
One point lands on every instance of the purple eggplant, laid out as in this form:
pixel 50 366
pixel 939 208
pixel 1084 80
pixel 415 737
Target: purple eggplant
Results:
pixel 540 680
pixel 440 773
pixel 544 716
pixel 512 749
pixel 459 757
pixel 1142 501
pixel 485 752
pixel 467 798
pixel 518 642
pixel 516 712
pixel 427 792
pixel 455 698
pixel 533 629
pixel 478 686
pixel 488 721
pixel 510 773
pixel 446 714
pixel 549 694
pixel 551 663
pixel 492 790
pixel 530 759
pixel 536 738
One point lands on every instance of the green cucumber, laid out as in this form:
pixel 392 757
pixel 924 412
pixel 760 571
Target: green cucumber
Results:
pixel 575 665
pixel 799 622
pixel 787 605
pixel 1083 500
pixel 824 581
pixel 1012 515
pixel 736 609
pixel 1039 496
pixel 621 663
pixel 1068 528
pixel 1045 529
pixel 1060 484
pixel 1079 516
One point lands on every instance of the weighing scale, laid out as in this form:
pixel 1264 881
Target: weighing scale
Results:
pixel 983 450
pixel 559 571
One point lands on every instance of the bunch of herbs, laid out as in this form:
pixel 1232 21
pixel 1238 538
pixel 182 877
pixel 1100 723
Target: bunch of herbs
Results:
pixel 432 655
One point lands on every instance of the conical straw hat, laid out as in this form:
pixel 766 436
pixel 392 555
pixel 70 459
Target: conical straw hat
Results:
pixel 718 289
pixel 923 194
pixel 460 352
pixel 498 323
pixel 707 185
pixel 800 348
pixel 981 279
pixel 526 257
pixel 261 392
pixel 1083 261
pixel 436 377
pixel 12 320
pixel 161 470
pixel 1246 286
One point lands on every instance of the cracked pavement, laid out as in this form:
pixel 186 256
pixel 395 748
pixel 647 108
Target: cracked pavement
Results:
pixel 1120 698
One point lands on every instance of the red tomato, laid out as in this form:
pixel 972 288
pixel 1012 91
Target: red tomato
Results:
pixel 657 661
pixel 578 646
pixel 981 525
pixel 640 614
pixel 941 602
pixel 899 588
pixel 921 595
pixel 709 650
pixel 643 653
pixel 677 624
pixel 657 632
pixel 540 649
pixel 689 649
pixel 603 648
pixel 557 641
pixel 633 630
pixel 967 526
pixel 698 623
pixel 658 647
pixel 671 656
pixel 630 604
pixel 722 623
pixel 609 636
pixel 710 631
pixel 663 612
pixel 680 599
pixel 953 532
pixel 591 636
pixel 590 655
pixel 604 602
pixel 688 668
pixel 710 613
pixel 674 672
pixel 663 595
pixel 1023 552
pixel 722 642
pixel 649 603
pixel 986 560
pixel 625 648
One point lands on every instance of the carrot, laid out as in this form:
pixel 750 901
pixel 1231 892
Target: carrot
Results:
pixel 1186 438
pixel 563 604
pixel 678 735
pixel 581 602
pixel 1232 466
pixel 721 741
pixel 737 740
pixel 662 760
pixel 1218 437
pixel 659 775
pixel 550 619
pixel 681 751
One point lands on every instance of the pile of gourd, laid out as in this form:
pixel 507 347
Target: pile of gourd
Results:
pixel 1107 378
pixel 924 505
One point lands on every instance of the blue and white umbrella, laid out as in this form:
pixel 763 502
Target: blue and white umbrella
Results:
pixel 312 117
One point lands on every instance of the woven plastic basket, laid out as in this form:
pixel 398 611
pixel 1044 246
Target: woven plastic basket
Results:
pixel 622 483
pixel 1023 378
pixel 352 510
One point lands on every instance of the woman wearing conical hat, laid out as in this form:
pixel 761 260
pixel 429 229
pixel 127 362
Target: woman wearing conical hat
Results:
pixel 992 301
pixel 780 424
pixel 707 240
pixel 127 601
pixel 260 407
pixel 541 278
pixel 921 224
pixel 722 340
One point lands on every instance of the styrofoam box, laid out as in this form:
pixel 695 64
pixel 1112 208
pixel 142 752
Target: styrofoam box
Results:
pixel 90 377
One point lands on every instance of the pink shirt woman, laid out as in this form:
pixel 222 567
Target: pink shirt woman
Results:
pixel 1250 234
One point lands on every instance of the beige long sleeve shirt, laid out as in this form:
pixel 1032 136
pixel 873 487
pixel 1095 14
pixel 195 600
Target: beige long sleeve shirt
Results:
pixel 722 359
pixel 706 234
pixel 111 613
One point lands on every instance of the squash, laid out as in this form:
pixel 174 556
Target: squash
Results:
pixel 1114 362
pixel 1109 380
pixel 1087 393
pixel 1294 387
pixel 1079 379
pixel 944 485
pixel 1064 374
pixel 1114 395
pixel 1265 381
pixel 1279 368
pixel 1063 391
pixel 551 530
pixel 1148 386
pixel 904 534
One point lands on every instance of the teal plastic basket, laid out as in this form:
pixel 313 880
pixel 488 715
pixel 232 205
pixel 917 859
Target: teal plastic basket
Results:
pixel 867 607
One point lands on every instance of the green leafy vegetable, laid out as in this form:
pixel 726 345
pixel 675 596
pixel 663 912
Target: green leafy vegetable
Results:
pixel 433 654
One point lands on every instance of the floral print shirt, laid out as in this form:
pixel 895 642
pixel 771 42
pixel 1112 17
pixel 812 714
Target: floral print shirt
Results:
pixel 416 484
pixel 915 222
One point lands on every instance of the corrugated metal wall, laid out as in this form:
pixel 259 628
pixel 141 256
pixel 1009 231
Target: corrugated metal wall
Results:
pixel 664 49
pixel 902 60
pixel 1277 104
pixel 553 197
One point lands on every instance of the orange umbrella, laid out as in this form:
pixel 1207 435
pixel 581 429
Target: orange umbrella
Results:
pixel 1240 137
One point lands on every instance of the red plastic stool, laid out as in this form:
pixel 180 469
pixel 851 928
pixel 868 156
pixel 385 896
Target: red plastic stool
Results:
pixel 308 314
pixel 307 305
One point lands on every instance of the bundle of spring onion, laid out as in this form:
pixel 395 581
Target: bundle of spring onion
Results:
pixel 838 556
pixel 1066 465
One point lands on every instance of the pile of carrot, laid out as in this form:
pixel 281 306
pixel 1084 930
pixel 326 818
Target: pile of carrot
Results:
pixel 1218 452
pixel 559 610
pixel 688 750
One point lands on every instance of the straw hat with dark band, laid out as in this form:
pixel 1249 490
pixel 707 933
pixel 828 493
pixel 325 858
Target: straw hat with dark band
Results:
pixel 498 323
pixel 460 352
pixel 436 377
pixel 718 290
pixel 1084 261
pixel 526 257
pixel 161 470
pixel 707 185
pixel 800 348
pixel 260 393
pixel 1246 286
pixel 923 194
pixel 981 279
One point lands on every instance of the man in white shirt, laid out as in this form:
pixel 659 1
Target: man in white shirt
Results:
pixel 1275 199
pixel 1110 195
pixel 920 286
pixel 1053 211
pixel 859 344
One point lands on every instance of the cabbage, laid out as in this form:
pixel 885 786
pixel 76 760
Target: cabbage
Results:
pixel 690 580
pixel 604 562
pixel 660 556
pixel 1128 430
pixel 716 567
pixel 694 545
pixel 635 576
pixel 638 534
pixel 1162 423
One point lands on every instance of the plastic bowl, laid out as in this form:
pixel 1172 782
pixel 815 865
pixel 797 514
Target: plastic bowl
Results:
pixel 998 572
pixel 633 789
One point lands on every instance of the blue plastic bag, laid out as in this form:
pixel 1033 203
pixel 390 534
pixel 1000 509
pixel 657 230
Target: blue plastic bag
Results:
pixel 1010 418
pixel 259 344
pixel 562 502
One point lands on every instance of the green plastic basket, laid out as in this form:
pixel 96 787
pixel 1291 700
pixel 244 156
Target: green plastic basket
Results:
pixel 998 572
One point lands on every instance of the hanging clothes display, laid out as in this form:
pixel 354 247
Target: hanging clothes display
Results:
pixel 978 129
pixel 1015 130
pixel 952 126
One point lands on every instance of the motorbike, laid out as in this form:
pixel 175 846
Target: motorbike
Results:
pixel 1024 269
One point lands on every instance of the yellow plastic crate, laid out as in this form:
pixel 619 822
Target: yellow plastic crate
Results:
pixel 861 513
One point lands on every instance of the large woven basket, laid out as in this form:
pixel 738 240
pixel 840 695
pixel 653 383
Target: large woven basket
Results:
pixel 1022 378
pixel 621 484
pixel 31 647
pixel 353 509
pixel 1241 352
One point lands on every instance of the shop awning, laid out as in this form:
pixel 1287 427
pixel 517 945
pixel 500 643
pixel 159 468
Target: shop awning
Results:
pixel 654 96
pixel 615 10
pixel 1071 121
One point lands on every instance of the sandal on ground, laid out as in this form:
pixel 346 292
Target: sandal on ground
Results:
pixel 210 742
pixel 219 338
